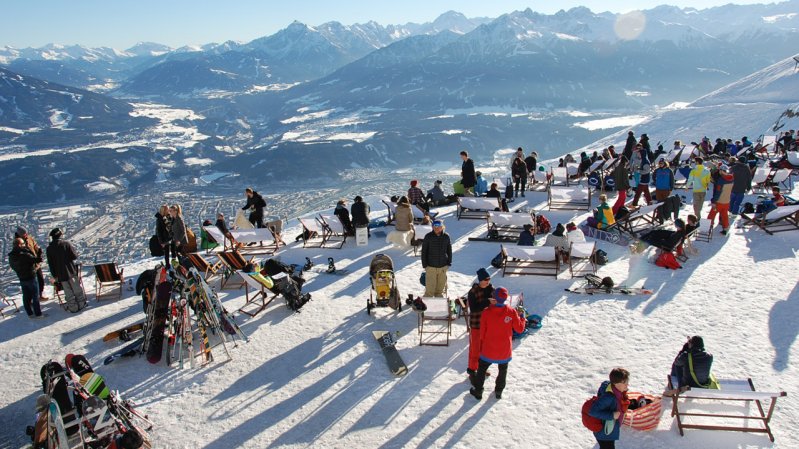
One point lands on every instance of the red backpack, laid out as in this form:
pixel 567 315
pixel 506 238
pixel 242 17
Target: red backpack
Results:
pixel 591 423
pixel 542 225
pixel 667 260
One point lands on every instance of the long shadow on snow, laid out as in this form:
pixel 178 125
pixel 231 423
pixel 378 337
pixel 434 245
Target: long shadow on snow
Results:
pixel 278 372
pixel 15 417
pixel 123 315
pixel 783 329
pixel 759 252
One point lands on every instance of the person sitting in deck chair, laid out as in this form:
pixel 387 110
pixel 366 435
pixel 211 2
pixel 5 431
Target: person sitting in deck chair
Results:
pixel 558 239
pixel 222 226
pixel 665 238
pixel 526 237
pixel 603 214
pixel 343 215
pixel 692 365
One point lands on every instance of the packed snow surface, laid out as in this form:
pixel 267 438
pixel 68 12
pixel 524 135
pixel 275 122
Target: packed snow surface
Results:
pixel 317 378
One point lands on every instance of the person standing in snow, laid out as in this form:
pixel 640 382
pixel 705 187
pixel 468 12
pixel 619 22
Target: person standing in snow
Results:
pixel 24 262
pixel 519 172
pixel 179 237
pixel 610 406
pixel 479 298
pixel 720 202
pixel 61 257
pixel 30 242
pixel 436 259
pixel 497 323
pixel 256 203
pixel 163 230
pixel 742 183
pixel 698 180
pixel 468 176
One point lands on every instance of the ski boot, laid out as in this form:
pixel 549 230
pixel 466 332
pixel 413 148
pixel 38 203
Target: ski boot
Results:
pixel 308 264
pixel 331 265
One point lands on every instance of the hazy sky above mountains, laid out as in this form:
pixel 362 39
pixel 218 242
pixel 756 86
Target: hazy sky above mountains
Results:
pixel 121 24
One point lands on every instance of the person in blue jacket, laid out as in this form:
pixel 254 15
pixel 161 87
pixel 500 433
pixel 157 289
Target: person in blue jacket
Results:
pixel 664 180
pixel 610 406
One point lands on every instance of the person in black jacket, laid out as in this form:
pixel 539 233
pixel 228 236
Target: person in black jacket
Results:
pixel 30 242
pixel 61 257
pixel 343 215
pixel 360 214
pixel 700 360
pixel 163 230
pixel 519 172
pixel 468 175
pixel 629 146
pixel 256 203
pixel 479 298
pixel 24 262
pixel 436 259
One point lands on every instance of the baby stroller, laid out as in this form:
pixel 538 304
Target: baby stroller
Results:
pixel 384 292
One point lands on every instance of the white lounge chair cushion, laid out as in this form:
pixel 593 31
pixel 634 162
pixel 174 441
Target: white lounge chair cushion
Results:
pixel 508 219
pixel 537 254
pixel 478 203
pixel 568 194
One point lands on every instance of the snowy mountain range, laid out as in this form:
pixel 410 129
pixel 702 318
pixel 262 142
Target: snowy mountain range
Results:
pixel 345 97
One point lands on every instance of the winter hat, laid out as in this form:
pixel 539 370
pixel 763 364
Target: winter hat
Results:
pixel 439 182
pixel 571 227
pixel 528 227
pixel 358 199
pixel 697 342
pixel 558 232
pixel 414 182
pixel 21 231
pixel 56 233
pixel 482 274
pixel 501 295
pixel 438 223
pixel 679 223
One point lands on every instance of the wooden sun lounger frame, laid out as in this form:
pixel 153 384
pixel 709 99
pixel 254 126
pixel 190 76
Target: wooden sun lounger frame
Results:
pixel 478 212
pixel 787 220
pixel 439 310
pixel 261 297
pixel 587 260
pixel 333 230
pixel 582 202
pixel 418 213
pixel 207 269
pixel 727 393
pixel 644 217
pixel 510 230
pixel 519 266
pixel 231 268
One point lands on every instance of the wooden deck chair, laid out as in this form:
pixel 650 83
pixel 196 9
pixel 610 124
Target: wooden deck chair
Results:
pixel 539 179
pixel 781 177
pixel 722 412
pixel 261 296
pixel 581 258
pixel 254 241
pixel 559 176
pixel 6 302
pixel 108 277
pixel 418 213
pixel 569 198
pixel 333 230
pixel 312 233
pixel 439 310
pixel 645 217
pixel 233 261
pixel 781 219
pixel 538 261
pixel 204 267
pixel 216 236
pixel 419 231
pixel 704 233
pixel 760 178
pixel 476 207
pixel 392 210
pixel 506 226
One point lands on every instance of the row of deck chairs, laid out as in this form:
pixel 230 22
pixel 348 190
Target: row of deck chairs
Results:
pixel 251 241
pixel 418 213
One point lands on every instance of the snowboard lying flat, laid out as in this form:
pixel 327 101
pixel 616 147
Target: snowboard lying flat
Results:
pixel 387 343
pixel 123 331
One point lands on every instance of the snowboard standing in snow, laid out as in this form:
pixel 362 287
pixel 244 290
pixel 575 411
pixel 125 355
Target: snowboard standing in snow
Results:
pixel 155 347
pixel 387 344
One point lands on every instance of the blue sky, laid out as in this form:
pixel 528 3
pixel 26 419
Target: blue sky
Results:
pixel 121 24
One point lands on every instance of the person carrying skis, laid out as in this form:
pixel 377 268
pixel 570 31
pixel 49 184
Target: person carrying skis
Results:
pixel 61 257
pixel 610 406
pixel 256 203
pixel 497 324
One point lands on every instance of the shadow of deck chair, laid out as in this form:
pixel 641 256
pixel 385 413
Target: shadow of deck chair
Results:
pixel 255 241
pixel 719 414
pixel 107 278
pixel 207 269
pixel 6 302
pixel 781 219
pixel 439 311
pixel 536 261
pixel 476 207
pixel 312 233
pixel 419 231
pixel 569 198
pixel 645 217
pixel 581 258
pixel 506 226
pixel 333 230
pixel 232 261
pixel 262 294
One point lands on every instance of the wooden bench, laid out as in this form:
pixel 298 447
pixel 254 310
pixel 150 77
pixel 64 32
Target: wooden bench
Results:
pixel 732 391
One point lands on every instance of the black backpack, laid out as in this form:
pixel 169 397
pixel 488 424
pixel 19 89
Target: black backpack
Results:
pixel 600 257
pixel 156 250
pixel 509 190
pixel 496 262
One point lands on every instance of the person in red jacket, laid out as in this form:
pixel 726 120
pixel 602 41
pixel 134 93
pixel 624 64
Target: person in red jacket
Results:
pixel 496 335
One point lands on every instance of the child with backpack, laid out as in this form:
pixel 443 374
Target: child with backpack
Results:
pixel 608 408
